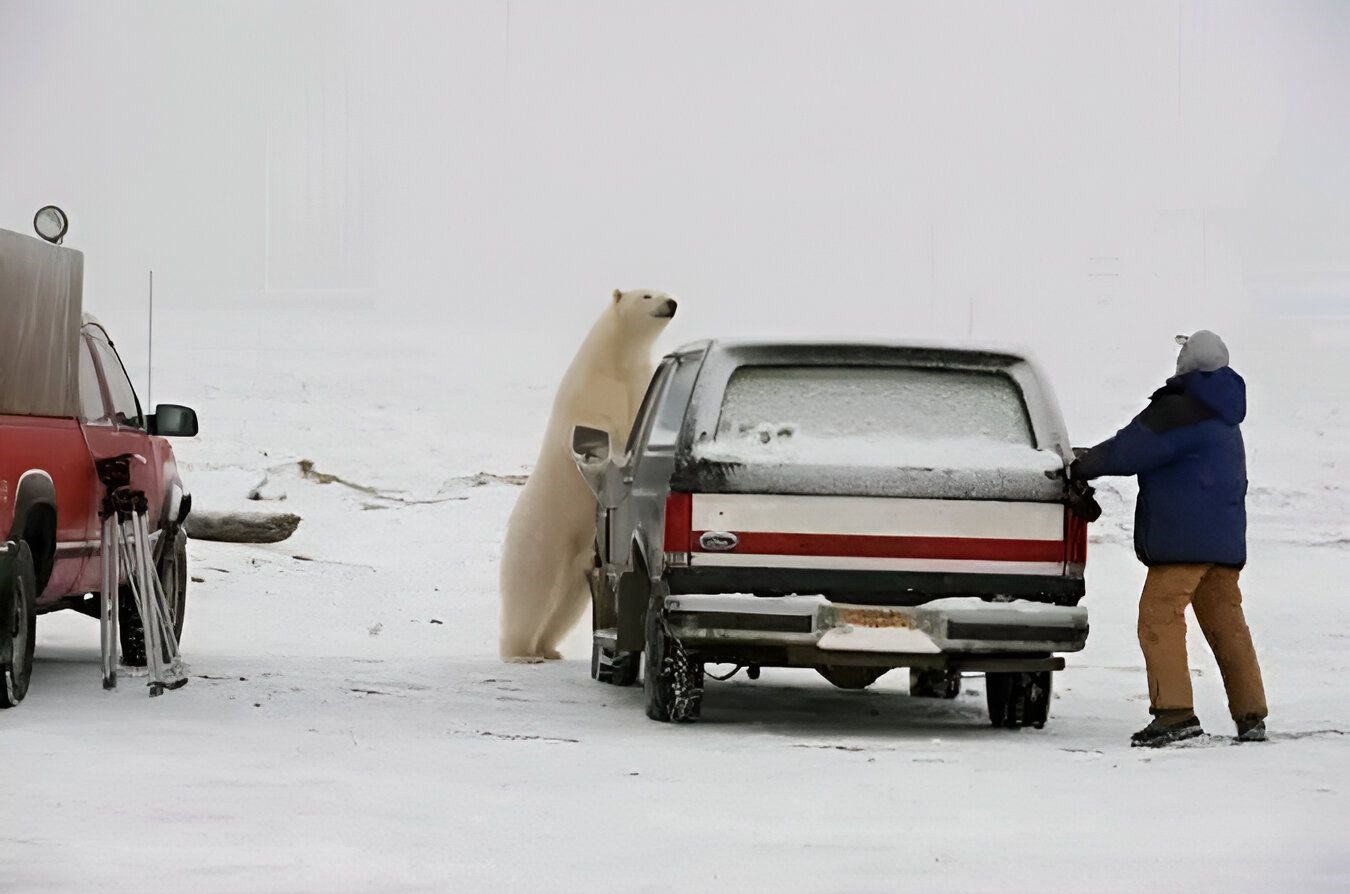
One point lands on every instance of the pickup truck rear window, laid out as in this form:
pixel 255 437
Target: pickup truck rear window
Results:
pixel 824 404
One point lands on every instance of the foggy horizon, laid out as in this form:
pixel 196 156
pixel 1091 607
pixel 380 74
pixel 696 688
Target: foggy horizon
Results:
pixel 934 170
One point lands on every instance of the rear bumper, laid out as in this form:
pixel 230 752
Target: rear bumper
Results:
pixel 894 588
pixel 813 630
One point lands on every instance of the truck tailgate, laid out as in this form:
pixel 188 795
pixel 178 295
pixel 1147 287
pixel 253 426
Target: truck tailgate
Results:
pixel 877 534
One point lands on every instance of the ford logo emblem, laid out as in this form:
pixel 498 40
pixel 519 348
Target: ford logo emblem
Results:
pixel 718 541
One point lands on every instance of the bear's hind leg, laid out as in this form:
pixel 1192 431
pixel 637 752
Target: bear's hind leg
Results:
pixel 565 616
pixel 570 598
pixel 516 640
pixel 520 615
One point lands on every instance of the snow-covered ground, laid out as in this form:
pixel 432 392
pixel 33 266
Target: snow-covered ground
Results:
pixel 349 728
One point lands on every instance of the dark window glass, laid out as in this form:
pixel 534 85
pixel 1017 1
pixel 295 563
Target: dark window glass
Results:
pixel 91 396
pixel 648 399
pixel 123 397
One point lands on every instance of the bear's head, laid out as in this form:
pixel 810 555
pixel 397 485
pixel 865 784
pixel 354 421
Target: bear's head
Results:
pixel 644 308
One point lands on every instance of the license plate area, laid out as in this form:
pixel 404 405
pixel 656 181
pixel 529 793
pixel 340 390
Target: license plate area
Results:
pixel 873 629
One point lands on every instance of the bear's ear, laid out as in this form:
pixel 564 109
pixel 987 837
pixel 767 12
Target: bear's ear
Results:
pixel 617 296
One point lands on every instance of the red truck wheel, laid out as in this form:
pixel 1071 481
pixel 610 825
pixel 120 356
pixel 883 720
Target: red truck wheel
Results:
pixel 18 630
pixel 173 577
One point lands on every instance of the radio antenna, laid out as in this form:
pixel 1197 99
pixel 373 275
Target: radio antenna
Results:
pixel 150 347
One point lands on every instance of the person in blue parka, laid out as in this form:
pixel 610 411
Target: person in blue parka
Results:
pixel 1190 529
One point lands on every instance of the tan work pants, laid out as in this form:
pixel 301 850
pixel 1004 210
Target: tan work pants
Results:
pixel 1212 591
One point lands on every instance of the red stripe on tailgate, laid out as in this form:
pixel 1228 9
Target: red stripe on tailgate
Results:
pixel 885 547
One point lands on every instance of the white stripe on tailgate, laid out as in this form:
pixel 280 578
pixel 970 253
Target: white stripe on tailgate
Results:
pixel 886 516
pixel 867 563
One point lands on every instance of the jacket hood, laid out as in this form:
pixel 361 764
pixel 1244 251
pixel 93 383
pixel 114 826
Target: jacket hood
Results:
pixel 1223 391
pixel 1203 351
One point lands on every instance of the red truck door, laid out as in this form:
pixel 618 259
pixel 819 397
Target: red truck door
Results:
pixel 115 427
pixel 121 427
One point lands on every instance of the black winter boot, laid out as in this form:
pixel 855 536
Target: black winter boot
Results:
pixel 1166 729
pixel 1251 729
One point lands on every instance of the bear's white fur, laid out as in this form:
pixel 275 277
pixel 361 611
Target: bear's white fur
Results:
pixel 551 535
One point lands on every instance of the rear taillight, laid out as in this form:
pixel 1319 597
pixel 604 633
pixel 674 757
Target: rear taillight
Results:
pixel 679 523
pixel 1075 542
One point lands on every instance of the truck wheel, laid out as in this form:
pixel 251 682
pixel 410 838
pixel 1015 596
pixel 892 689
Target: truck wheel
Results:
pixel 673 680
pixel 848 677
pixel 934 683
pixel 1018 699
pixel 617 671
pixel 173 577
pixel 18 630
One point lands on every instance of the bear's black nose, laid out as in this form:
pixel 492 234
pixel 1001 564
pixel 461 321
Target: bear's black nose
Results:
pixel 667 308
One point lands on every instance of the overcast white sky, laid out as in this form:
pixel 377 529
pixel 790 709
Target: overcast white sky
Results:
pixel 884 169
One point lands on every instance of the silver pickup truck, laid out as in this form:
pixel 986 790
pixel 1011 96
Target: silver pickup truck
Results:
pixel 851 508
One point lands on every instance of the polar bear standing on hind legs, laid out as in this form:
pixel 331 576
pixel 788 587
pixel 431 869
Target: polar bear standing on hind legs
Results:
pixel 551 535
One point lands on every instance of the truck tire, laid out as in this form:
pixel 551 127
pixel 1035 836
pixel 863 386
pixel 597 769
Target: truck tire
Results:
pixel 673 679
pixel 173 577
pixel 934 683
pixel 1018 698
pixel 18 629
pixel 849 677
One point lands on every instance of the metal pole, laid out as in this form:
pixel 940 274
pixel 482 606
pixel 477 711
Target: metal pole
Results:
pixel 150 619
pixel 108 602
pixel 150 350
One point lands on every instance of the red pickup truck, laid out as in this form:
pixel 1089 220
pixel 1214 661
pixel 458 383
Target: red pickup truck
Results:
pixel 66 401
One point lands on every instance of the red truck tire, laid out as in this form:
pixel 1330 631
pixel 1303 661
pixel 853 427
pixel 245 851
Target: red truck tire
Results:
pixel 18 629
pixel 173 575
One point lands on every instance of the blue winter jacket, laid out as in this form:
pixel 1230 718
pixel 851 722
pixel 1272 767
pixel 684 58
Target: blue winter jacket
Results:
pixel 1187 450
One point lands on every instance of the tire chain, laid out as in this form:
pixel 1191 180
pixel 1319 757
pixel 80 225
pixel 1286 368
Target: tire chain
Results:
pixel 685 686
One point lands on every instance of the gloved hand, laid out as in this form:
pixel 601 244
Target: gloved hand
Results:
pixel 1082 501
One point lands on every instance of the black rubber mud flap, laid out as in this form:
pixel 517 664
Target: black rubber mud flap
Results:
pixel 635 593
pixel 934 683
pixel 1018 699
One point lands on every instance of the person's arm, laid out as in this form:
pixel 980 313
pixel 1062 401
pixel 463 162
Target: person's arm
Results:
pixel 1152 439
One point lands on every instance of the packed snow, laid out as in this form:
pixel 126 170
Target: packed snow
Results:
pixel 774 457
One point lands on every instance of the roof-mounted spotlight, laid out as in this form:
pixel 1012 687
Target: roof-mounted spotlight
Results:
pixel 51 224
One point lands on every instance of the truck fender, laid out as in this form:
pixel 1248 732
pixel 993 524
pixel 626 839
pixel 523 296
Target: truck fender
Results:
pixel 36 493
pixel 177 504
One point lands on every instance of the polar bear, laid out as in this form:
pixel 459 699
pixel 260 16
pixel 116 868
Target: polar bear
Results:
pixel 551 534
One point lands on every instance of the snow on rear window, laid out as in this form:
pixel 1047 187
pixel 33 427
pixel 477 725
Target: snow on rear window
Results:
pixel 872 403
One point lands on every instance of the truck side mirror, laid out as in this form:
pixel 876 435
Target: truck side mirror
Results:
pixel 173 421
pixel 591 451
pixel 590 445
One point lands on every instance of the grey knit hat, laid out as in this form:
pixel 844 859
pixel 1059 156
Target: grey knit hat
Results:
pixel 1202 351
